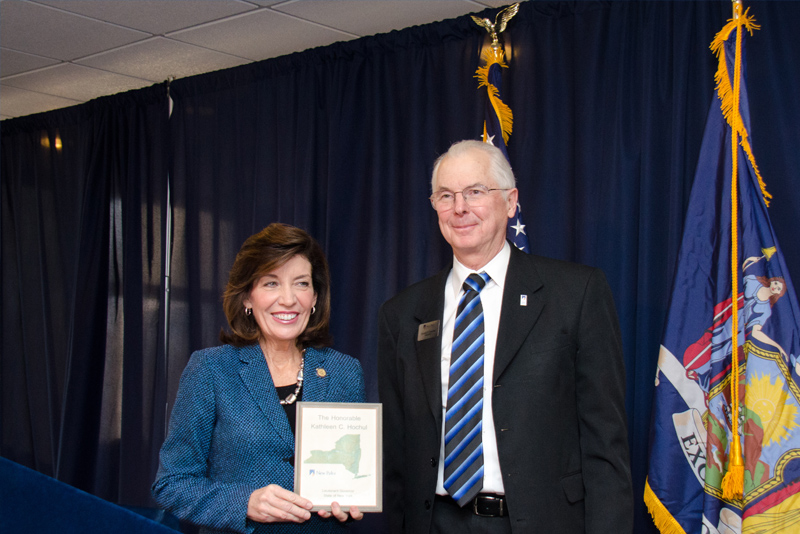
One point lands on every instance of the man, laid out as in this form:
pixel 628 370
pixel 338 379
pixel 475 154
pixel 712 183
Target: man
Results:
pixel 532 437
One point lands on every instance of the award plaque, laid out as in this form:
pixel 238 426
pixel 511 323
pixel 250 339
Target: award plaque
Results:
pixel 339 455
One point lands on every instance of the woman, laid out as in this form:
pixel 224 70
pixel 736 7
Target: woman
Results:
pixel 226 464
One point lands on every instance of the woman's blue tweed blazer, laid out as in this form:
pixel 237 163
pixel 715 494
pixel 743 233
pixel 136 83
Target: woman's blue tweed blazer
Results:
pixel 229 435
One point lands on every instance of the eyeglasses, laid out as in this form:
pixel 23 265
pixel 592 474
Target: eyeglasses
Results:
pixel 474 195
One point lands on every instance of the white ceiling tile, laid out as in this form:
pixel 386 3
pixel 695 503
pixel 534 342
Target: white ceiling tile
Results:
pixel 154 16
pixel 260 35
pixel 43 31
pixel 13 62
pixel 116 45
pixel 497 3
pixel 75 82
pixel 15 102
pixel 369 18
pixel 159 58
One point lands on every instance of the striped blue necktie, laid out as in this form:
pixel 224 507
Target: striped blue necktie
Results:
pixel 463 447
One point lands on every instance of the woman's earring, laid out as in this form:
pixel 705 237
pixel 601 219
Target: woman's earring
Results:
pixel 248 311
pixel 313 309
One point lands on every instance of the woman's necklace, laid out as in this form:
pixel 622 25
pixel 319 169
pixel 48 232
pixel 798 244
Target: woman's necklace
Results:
pixel 293 396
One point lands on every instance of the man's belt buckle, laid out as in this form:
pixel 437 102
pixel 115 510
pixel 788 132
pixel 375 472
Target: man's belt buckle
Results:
pixel 488 506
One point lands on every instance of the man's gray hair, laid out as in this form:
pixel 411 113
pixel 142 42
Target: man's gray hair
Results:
pixel 499 168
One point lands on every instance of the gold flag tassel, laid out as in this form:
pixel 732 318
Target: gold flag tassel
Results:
pixel 733 481
pixel 495 56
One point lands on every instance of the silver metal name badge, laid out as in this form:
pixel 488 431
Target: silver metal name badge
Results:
pixel 428 330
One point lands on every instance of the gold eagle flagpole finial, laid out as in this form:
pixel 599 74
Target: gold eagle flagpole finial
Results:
pixel 499 25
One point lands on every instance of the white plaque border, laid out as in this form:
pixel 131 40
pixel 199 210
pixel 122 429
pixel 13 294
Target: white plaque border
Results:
pixel 320 423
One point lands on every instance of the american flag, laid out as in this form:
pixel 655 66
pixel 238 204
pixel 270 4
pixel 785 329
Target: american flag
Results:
pixel 497 124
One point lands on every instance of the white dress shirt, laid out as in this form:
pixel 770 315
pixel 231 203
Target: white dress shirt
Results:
pixel 492 301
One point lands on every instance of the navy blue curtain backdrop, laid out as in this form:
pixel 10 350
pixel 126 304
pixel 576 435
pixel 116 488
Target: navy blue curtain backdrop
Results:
pixel 609 102
pixel 83 198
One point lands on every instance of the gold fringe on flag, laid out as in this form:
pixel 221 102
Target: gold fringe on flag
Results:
pixel 725 91
pixel 492 56
pixel 665 523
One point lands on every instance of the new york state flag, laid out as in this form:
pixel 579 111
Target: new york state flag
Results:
pixel 693 409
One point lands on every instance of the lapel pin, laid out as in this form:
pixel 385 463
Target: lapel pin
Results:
pixel 321 372
pixel 523 300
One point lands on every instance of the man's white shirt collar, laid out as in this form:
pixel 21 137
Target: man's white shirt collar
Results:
pixel 496 269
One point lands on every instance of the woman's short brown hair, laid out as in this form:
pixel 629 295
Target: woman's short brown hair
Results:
pixel 260 254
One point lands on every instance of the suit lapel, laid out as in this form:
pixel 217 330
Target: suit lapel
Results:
pixel 430 307
pixel 254 372
pixel 516 320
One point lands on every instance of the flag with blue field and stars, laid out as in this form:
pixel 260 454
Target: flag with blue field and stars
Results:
pixel 498 121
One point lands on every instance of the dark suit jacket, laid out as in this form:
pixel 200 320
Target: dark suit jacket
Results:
pixel 558 401
pixel 229 435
